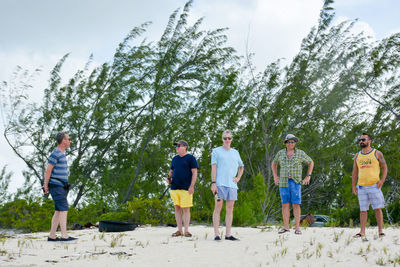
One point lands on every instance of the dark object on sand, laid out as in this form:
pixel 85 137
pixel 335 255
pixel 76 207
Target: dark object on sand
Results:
pixel 171 225
pixel 309 219
pixel 116 226
pixel 77 226
pixel 316 220
pixel 89 224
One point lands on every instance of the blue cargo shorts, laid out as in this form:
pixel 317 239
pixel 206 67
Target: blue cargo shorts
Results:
pixel 59 196
pixel 291 194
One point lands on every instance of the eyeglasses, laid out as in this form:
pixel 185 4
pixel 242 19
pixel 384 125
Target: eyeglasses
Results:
pixel 179 145
pixel 227 138
pixel 290 142
pixel 362 139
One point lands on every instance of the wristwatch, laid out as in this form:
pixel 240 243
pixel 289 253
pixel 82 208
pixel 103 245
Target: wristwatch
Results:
pixel 308 174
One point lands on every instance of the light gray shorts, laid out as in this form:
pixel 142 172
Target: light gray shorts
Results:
pixel 227 193
pixel 370 195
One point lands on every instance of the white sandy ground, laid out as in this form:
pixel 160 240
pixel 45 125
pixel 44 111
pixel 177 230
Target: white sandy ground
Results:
pixel 154 246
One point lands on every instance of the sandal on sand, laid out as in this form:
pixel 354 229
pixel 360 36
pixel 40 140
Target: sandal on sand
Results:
pixel 358 235
pixel 297 232
pixel 187 234
pixel 283 230
pixel 382 234
pixel 177 233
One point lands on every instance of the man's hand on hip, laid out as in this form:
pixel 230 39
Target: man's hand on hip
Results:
pixel 306 180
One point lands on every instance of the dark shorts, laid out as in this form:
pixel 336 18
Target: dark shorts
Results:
pixel 59 196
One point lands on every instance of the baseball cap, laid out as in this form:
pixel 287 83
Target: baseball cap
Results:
pixel 181 142
pixel 291 137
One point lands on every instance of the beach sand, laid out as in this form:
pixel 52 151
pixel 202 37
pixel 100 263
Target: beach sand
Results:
pixel 154 246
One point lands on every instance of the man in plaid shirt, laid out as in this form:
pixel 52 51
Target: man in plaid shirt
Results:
pixel 289 180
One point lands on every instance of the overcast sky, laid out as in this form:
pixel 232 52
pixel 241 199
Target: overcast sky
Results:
pixel 36 34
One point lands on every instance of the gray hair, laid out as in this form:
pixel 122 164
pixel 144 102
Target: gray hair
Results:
pixel 226 132
pixel 60 136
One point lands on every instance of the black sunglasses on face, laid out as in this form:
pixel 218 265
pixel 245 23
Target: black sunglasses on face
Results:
pixel 227 138
pixel 290 142
pixel 362 139
pixel 179 145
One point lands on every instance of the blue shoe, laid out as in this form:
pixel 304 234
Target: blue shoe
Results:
pixel 68 239
pixel 232 238
pixel 217 238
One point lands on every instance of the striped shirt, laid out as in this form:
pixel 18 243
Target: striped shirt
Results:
pixel 291 168
pixel 60 170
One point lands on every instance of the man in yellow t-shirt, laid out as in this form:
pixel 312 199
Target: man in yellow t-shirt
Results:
pixel 366 169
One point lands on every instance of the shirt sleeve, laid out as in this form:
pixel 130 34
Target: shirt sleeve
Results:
pixel 240 162
pixel 305 158
pixel 193 163
pixel 276 158
pixel 214 157
pixel 53 159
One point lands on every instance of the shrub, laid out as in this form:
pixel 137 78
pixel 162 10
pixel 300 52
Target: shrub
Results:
pixel 142 211
pixel 87 214
pixel 29 216
pixel 248 209
pixel 124 215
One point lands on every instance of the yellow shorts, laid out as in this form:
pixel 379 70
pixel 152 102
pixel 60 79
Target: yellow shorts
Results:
pixel 181 198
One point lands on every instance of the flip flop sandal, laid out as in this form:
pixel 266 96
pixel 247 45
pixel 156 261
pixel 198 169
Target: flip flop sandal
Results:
pixel 358 235
pixel 187 234
pixel 382 234
pixel 283 230
pixel 177 233
pixel 297 232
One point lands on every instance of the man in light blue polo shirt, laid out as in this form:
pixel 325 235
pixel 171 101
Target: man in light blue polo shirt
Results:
pixel 226 170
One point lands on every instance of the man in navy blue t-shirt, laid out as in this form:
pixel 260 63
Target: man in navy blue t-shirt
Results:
pixel 182 177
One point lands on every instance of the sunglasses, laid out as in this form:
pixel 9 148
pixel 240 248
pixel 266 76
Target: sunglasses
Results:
pixel 362 139
pixel 227 138
pixel 179 145
pixel 290 142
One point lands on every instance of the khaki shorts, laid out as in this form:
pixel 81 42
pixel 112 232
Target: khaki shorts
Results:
pixel 181 198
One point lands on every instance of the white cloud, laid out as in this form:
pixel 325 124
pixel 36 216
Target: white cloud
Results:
pixel 359 27
pixel 273 29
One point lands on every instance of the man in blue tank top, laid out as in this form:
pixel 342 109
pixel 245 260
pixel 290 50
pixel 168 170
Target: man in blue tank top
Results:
pixel 55 177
